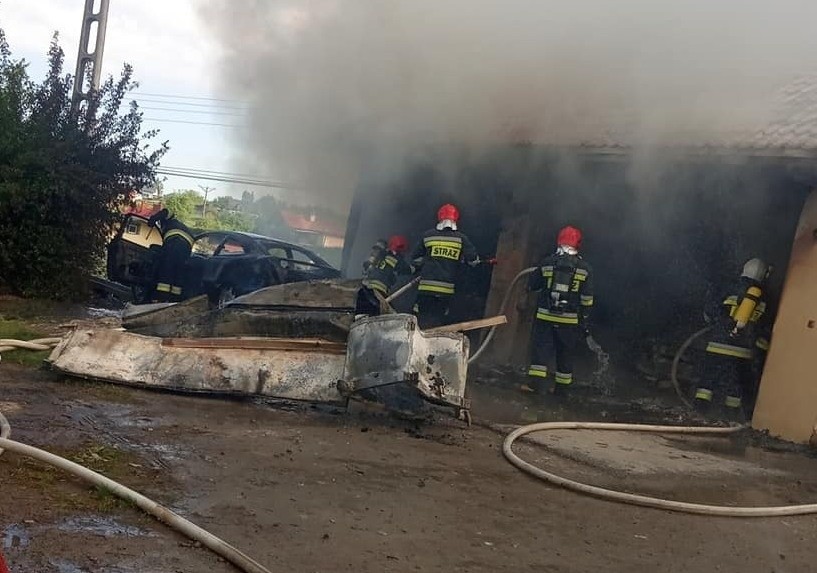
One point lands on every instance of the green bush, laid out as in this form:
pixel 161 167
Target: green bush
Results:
pixel 63 174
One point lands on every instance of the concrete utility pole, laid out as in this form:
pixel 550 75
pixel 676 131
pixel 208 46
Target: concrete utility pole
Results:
pixel 206 190
pixel 87 57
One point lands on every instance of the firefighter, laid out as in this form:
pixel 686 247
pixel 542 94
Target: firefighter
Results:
pixel 439 257
pixel 177 243
pixel 376 254
pixel 381 273
pixel 736 348
pixel 565 283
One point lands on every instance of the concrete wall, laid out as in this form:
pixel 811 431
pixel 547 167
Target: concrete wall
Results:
pixel 787 402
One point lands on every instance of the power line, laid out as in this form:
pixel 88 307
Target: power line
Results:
pixel 175 96
pixel 182 172
pixel 238 181
pixel 180 103
pixel 191 122
pixel 149 108
pixel 211 172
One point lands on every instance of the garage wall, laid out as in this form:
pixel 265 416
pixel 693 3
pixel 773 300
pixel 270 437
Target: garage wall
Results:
pixel 787 403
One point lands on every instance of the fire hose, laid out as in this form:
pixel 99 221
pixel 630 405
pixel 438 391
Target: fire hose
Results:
pixel 7 344
pixel 677 359
pixel 637 499
pixel 490 336
pixel 163 514
pixel 505 301
pixel 624 497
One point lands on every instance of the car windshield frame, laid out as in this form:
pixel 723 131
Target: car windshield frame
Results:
pixel 267 244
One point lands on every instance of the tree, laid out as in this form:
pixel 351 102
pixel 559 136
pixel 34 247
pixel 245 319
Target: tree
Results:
pixel 185 205
pixel 269 220
pixel 63 175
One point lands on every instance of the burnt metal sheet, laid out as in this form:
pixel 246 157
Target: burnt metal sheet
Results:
pixel 144 315
pixel 388 354
pixel 313 309
pixel 336 294
pixel 133 359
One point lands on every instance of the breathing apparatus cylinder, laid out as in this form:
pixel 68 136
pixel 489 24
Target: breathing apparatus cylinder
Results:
pixel 744 310
pixel 563 276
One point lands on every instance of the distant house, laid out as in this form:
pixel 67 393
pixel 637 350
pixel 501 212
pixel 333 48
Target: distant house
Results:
pixel 136 230
pixel 319 230
pixel 143 208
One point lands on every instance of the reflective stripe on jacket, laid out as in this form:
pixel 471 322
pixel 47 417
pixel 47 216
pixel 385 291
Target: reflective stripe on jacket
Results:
pixel 440 256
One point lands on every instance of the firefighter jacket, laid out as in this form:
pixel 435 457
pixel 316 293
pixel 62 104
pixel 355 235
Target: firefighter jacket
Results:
pixel 727 339
pixel 172 227
pixel 440 256
pixel 565 283
pixel 383 272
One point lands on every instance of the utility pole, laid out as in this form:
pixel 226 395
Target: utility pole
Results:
pixel 87 58
pixel 206 190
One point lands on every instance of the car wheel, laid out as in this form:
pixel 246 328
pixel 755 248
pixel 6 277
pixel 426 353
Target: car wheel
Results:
pixel 225 295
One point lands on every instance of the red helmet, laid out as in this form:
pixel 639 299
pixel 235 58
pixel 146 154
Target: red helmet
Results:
pixel 570 237
pixel 398 244
pixel 448 212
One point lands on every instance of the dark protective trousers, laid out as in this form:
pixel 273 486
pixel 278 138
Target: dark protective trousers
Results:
pixel 432 311
pixel 367 302
pixel 170 269
pixel 725 382
pixel 551 341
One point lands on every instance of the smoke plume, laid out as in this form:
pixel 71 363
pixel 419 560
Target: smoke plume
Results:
pixel 330 81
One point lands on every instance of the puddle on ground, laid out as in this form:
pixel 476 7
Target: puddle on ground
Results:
pixel 101 526
pixel 67 567
pixel 15 537
pixel 166 452
pixel 95 312
pixel 64 566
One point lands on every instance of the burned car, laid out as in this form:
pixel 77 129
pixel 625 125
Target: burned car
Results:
pixel 223 264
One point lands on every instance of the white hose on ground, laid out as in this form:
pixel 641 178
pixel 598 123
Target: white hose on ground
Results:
pixel 677 359
pixel 7 344
pixel 636 499
pixel 5 429
pixel 504 304
pixel 163 514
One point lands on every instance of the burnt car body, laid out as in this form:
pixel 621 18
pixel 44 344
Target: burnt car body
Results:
pixel 223 264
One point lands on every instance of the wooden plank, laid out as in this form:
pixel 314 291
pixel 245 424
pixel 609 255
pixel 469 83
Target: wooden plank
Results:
pixel 470 325
pixel 255 343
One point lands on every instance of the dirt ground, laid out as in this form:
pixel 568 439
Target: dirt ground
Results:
pixel 303 489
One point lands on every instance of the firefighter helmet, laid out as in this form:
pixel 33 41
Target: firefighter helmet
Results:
pixel 398 244
pixel 756 269
pixel 569 237
pixel 448 212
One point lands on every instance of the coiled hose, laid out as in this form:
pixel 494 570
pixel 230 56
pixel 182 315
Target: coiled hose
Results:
pixel 619 496
pixel 163 514
pixel 636 499
pixel 7 344
pixel 502 307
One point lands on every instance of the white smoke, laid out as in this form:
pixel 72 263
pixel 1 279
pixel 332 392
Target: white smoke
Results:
pixel 328 81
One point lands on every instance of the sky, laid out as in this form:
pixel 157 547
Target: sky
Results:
pixel 173 54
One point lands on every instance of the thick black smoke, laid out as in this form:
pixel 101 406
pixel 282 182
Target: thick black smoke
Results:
pixel 331 80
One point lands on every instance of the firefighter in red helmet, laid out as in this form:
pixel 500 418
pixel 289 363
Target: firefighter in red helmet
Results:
pixel 565 283
pixel 439 256
pixel 381 274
